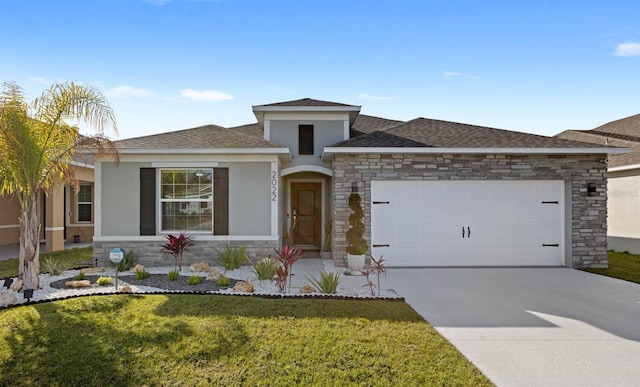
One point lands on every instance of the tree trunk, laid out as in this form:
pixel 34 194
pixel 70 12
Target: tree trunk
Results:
pixel 29 267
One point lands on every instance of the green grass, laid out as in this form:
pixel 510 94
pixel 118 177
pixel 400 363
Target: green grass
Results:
pixel 71 258
pixel 623 266
pixel 219 340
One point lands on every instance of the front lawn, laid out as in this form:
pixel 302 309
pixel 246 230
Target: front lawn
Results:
pixel 222 340
pixel 623 266
pixel 71 258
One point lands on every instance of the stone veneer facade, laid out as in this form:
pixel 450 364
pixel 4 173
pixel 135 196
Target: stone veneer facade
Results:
pixel 588 225
pixel 149 252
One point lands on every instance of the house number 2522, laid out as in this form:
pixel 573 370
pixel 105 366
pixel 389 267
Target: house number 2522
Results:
pixel 274 186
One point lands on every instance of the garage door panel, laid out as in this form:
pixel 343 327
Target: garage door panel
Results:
pixel 509 225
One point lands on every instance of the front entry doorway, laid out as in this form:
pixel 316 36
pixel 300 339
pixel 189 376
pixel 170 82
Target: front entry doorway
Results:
pixel 306 209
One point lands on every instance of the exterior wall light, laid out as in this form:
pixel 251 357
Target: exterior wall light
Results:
pixel 354 187
pixel 591 189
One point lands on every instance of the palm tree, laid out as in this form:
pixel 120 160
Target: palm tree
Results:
pixel 36 147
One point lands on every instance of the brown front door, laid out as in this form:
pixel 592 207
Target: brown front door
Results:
pixel 306 207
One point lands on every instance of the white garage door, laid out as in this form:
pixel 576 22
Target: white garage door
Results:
pixel 468 223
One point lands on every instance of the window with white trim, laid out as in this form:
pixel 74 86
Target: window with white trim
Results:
pixel 84 203
pixel 186 200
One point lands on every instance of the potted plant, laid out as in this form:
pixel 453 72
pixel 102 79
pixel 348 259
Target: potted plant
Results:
pixel 326 247
pixel 357 245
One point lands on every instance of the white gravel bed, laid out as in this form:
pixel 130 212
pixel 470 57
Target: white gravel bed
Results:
pixel 244 273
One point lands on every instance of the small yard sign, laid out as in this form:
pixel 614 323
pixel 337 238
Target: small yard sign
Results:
pixel 116 255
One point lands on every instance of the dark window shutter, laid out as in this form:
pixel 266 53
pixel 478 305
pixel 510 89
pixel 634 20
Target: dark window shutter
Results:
pixel 305 139
pixel 147 201
pixel 221 201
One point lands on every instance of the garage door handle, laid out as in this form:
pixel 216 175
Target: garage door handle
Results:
pixel 381 245
pixel 551 245
pixel 463 231
pixel 380 202
pixel 468 232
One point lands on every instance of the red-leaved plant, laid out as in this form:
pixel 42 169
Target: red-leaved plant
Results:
pixel 379 267
pixel 286 257
pixel 176 246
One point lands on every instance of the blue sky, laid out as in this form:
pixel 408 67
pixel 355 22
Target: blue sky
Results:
pixel 533 66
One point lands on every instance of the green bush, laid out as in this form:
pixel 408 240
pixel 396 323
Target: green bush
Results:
pixel 223 281
pixel 126 262
pixel 142 274
pixel 53 266
pixel 328 282
pixel 265 268
pixel 173 275
pixel 104 281
pixel 232 257
pixel 80 276
pixel 194 280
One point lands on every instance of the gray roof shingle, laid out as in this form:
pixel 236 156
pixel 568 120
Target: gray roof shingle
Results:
pixel 307 102
pixel 203 137
pixel 423 132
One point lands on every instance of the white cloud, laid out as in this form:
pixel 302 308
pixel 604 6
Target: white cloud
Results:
pixel 457 74
pixel 628 49
pixel 127 91
pixel 374 97
pixel 205 95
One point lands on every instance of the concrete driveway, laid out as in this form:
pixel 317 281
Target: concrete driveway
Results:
pixel 524 327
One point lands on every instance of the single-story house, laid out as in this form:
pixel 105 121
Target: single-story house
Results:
pixel 434 193
pixel 65 215
pixel 624 179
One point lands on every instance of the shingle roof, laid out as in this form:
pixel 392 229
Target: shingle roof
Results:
pixel 251 129
pixel 307 102
pixel 622 133
pixel 423 132
pixel 367 124
pixel 203 137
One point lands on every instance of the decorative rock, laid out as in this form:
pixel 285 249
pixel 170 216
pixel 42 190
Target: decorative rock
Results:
pixel 214 275
pixel 200 266
pixel 243 286
pixel 78 284
pixel 126 289
pixel 307 289
pixel 138 268
pixel 91 270
pixel 16 285
pixel 7 297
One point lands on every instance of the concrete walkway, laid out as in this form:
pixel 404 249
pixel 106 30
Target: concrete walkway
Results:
pixel 12 251
pixel 524 327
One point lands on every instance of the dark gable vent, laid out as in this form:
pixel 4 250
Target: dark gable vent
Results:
pixel 305 139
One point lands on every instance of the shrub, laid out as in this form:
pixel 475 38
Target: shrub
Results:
pixel 232 257
pixel 265 268
pixel 223 281
pixel 176 246
pixel 80 276
pixel 328 282
pixel 126 262
pixel 104 281
pixel 194 280
pixel 173 275
pixel 53 266
pixel 286 257
pixel 357 245
pixel 142 274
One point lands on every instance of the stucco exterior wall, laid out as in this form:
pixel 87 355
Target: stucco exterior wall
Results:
pixel 624 211
pixel 324 133
pixel 587 223
pixel 9 225
pixel 120 198
pixel 249 198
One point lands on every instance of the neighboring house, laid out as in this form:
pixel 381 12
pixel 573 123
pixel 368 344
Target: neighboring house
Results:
pixel 434 193
pixel 624 179
pixel 65 215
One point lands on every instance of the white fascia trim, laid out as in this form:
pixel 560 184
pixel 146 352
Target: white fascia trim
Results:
pixel 546 151
pixel 624 168
pixel 307 168
pixel 196 237
pixel 9 226
pixel 217 151
pixel 83 165
pixel 184 164
pixel 262 108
